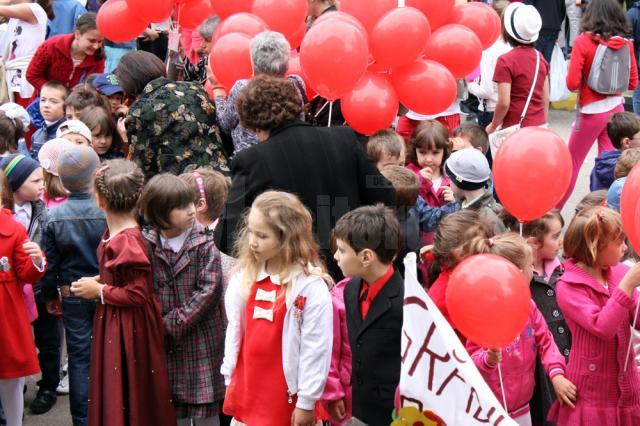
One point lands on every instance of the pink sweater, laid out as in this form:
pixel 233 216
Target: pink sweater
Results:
pixel 431 197
pixel 338 383
pixel 519 363
pixel 599 320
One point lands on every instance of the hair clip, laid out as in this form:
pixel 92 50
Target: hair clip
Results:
pixel 491 242
pixel 200 183
pixel 101 169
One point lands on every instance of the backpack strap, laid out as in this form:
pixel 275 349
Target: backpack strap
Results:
pixel 533 86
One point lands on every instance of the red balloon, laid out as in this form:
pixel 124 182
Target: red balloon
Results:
pixel 481 20
pixel 243 22
pixel 151 10
pixel 226 8
pixel 400 37
pixel 295 39
pixel 334 56
pixel 192 13
pixel 296 69
pixel 345 17
pixel 488 299
pixel 371 106
pixel 527 158
pixel 456 47
pixel 425 87
pixel 116 22
pixel 367 11
pixel 231 60
pixel 629 203
pixel 437 11
pixel 284 16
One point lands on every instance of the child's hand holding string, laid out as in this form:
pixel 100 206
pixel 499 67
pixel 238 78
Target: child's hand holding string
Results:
pixel 494 356
pixel 565 390
pixel 34 251
pixel 87 288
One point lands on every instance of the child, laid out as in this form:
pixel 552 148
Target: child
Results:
pixel 129 382
pixel 452 234
pixel 27 186
pixel 623 129
pixel 518 363
pixel 188 286
pixel 597 296
pixel 74 227
pixel 470 177
pixel 105 139
pixel 209 190
pixel 54 192
pixel 592 199
pixel 470 135
pixel 544 237
pixel 52 98
pixel 20 261
pixel 337 396
pixel 625 164
pixel 81 99
pixel 21 124
pixel 367 241
pixel 10 134
pixel 386 147
pixel 279 312
pixel 75 131
pixel 109 86
pixel 429 150
pixel 407 186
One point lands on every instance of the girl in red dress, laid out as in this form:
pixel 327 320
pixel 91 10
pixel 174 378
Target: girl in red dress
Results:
pixel 20 261
pixel 280 331
pixel 128 381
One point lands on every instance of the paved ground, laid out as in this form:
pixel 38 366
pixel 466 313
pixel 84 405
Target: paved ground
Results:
pixel 560 122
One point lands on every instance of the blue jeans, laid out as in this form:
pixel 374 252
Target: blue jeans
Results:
pixel 77 315
pixel 636 101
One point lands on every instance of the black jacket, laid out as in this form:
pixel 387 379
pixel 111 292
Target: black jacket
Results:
pixel 375 347
pixel 553 13
pixel 324 166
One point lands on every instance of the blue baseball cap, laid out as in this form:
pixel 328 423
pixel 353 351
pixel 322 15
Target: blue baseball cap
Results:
pixel 107 84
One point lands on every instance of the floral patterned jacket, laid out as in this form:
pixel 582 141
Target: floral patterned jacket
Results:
pixel 173 127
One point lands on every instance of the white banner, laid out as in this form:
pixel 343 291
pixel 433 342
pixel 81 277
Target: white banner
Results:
pixel 438 376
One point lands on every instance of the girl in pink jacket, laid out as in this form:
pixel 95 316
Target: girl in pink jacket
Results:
pixel 337 392
pixel 598 298
pixel 518 359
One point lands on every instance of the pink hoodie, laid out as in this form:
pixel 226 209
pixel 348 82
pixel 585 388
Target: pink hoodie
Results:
pixel 519 363
pixel 599 319
pixel 338 383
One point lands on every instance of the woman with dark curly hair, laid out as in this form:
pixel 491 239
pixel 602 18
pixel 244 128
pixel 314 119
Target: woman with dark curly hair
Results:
pixel 324 166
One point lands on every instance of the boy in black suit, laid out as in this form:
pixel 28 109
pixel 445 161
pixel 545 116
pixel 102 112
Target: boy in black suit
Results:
pixel 367 241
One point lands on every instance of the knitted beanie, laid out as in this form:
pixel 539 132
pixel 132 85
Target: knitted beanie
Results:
pixel 17 168
pixel 76 167
pixel 50 152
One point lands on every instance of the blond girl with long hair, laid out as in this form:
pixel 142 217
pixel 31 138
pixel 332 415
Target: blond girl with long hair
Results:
pixel 278 342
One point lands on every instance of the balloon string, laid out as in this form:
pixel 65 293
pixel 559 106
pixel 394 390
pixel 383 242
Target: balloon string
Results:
pixel 330 112
pixel 635 318
pixel 521 229
pixel 321 109
pixel 504 396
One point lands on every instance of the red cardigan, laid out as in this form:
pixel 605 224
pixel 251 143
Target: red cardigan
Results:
pixel 584 49
pixel 52 61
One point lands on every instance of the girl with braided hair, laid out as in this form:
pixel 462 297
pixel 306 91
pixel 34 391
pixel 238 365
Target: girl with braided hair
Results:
pixel 129 381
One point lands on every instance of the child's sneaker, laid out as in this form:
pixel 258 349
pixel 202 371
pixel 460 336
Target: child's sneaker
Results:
pixel 63 387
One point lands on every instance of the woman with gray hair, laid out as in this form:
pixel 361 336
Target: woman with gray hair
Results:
pixel 269 56
pixel 198 71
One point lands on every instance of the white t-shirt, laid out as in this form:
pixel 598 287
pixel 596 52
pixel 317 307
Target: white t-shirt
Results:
pixel 21 40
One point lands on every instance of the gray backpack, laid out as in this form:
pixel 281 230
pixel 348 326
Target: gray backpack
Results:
pixel 610 70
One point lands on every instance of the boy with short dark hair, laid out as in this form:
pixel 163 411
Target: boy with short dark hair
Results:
pixel 52 97
pixel 80 99
pixel 367 241
pixel 385 148
pixel 470 135
pixel 623 130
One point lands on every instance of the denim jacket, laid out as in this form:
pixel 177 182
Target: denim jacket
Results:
pixel 72 234
pixel 43 135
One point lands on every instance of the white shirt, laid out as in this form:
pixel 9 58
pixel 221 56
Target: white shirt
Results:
pixel 20 41
pixel 604 105
pixel 174 244
pixel 23 214
pixel 484 88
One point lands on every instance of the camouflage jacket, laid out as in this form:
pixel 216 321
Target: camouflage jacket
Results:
pixel 173 127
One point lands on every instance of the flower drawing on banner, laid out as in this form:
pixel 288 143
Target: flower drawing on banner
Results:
pixel 411 416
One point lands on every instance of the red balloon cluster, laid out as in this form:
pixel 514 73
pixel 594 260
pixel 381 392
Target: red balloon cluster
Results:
pixel 489 300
